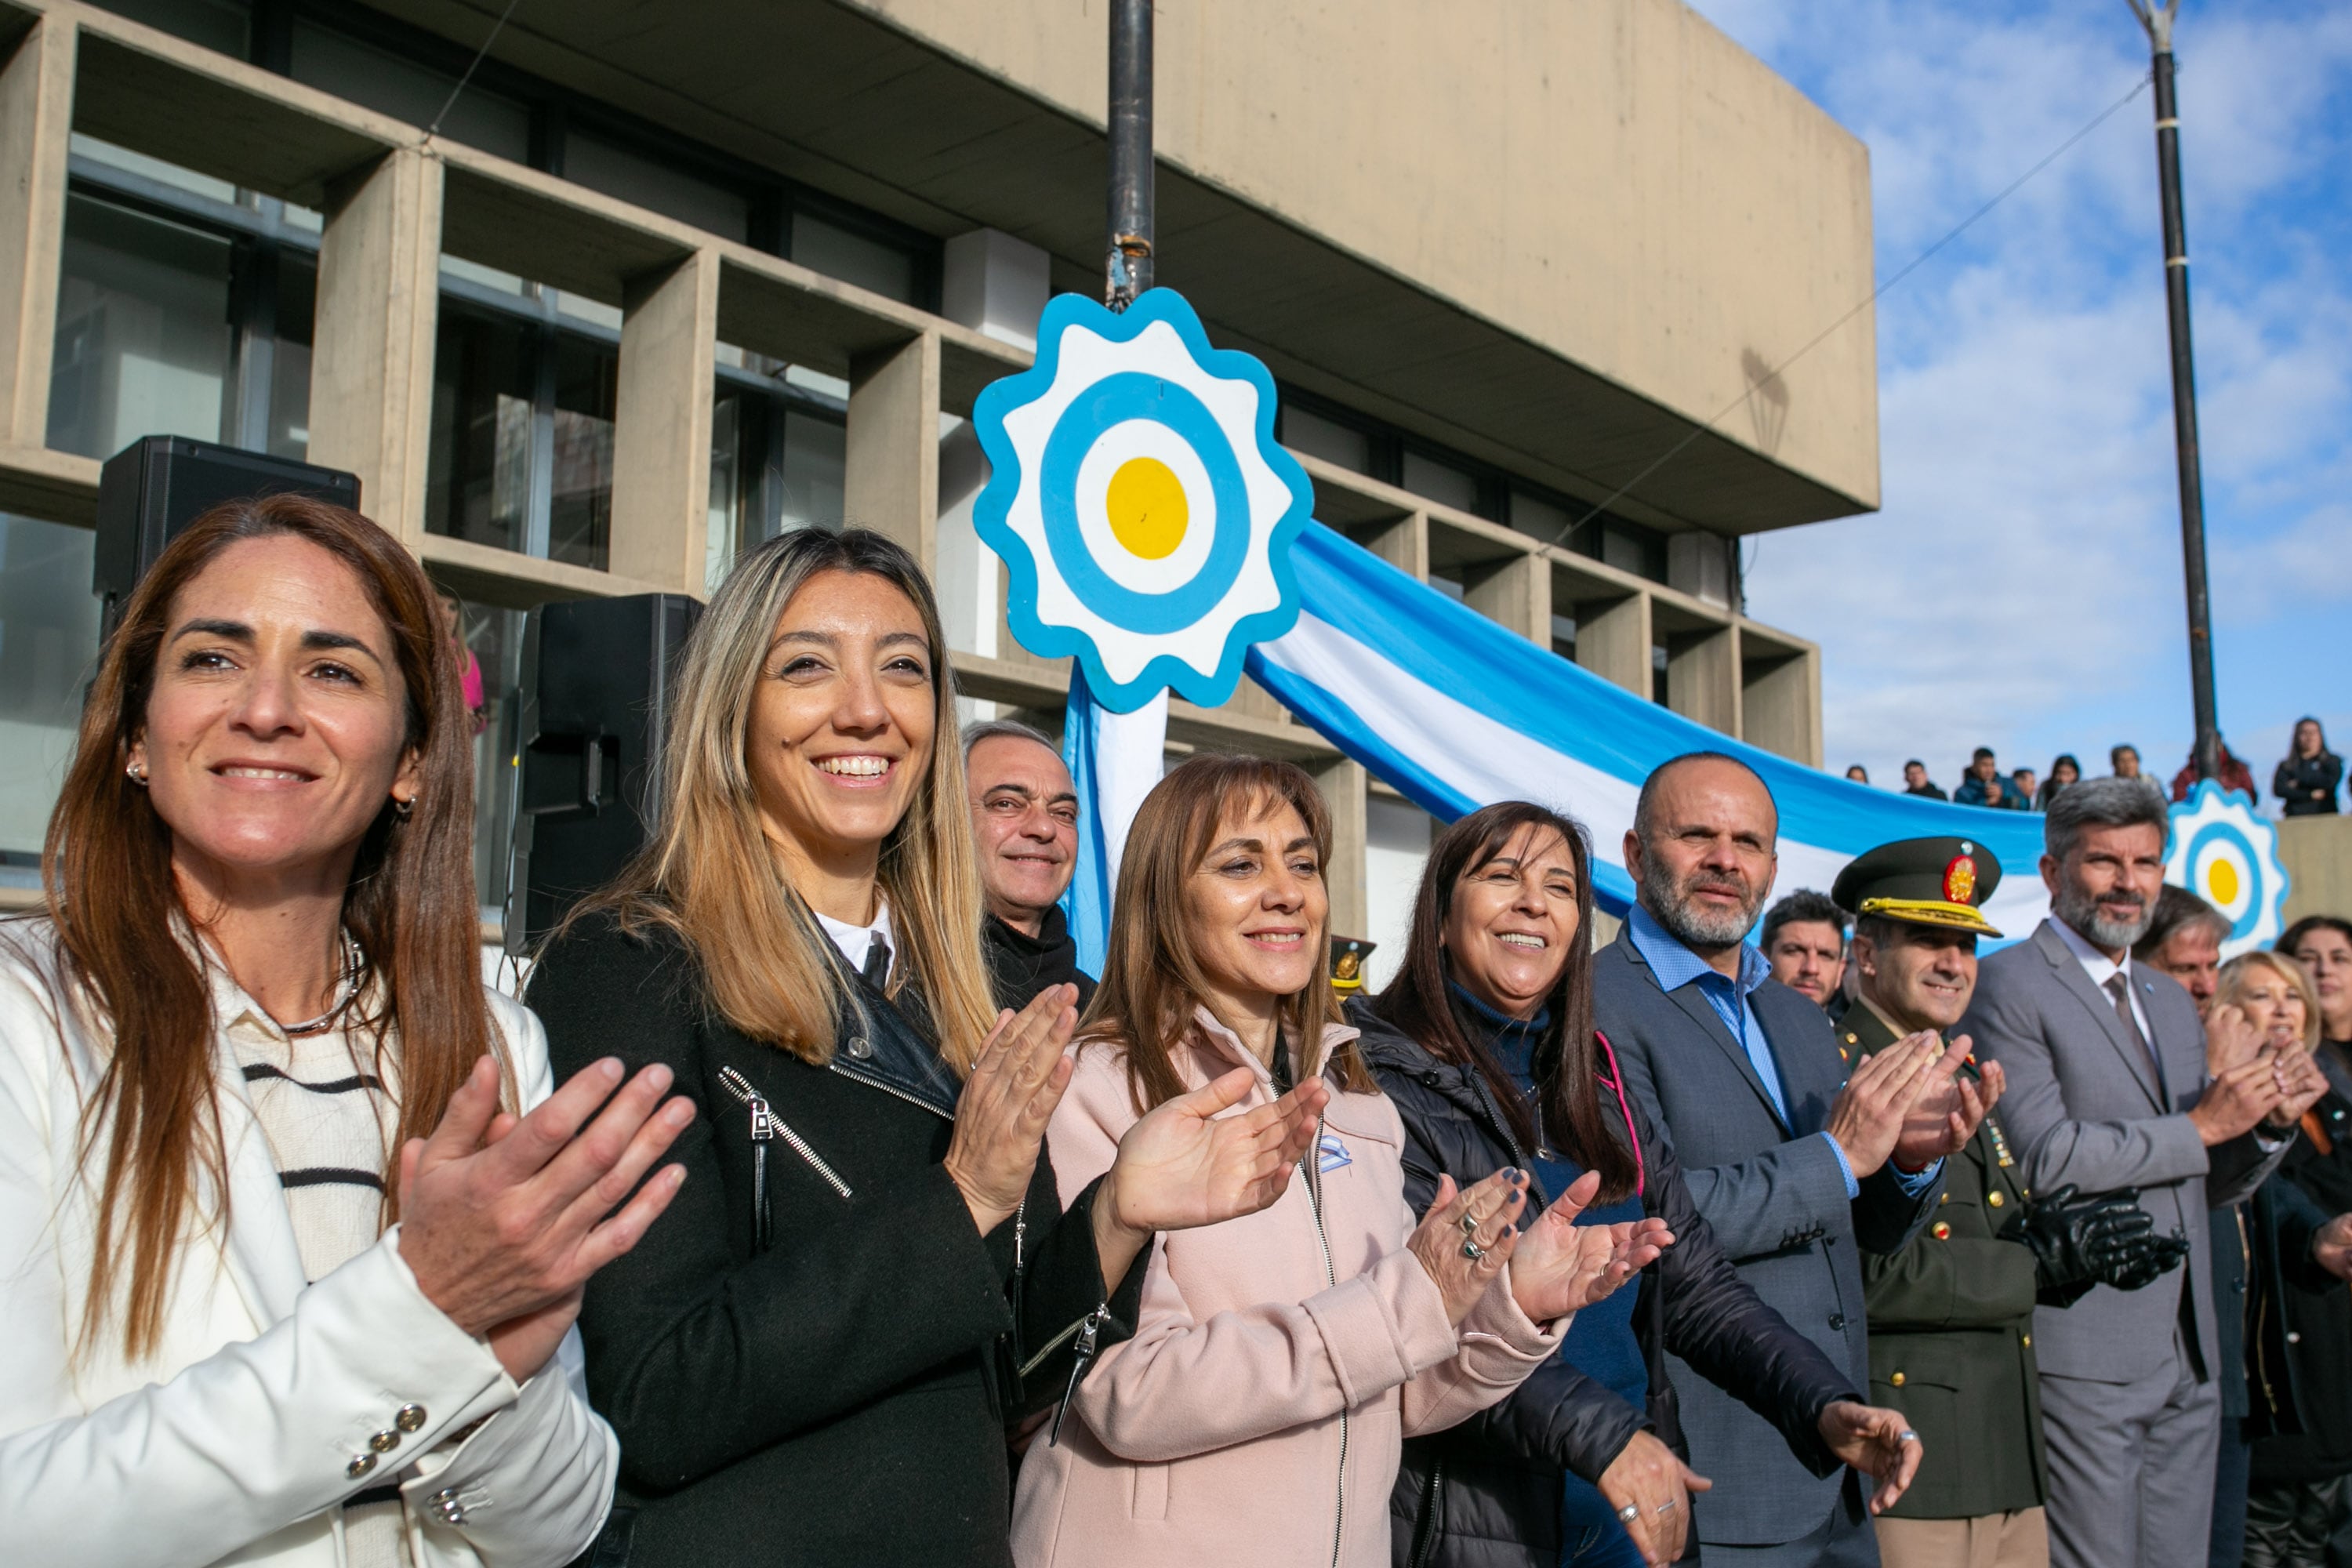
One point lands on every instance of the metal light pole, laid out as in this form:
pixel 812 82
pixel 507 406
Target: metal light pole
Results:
pixel 2158 21
pixel 1127 266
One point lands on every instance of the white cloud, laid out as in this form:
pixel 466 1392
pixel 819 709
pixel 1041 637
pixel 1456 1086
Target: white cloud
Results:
pixel 2022 586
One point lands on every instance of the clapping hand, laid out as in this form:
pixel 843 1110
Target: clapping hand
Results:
pixel 503 1219
pixel 1184 1166
pixel 1561 1267
pixel 1002 1114
pixel 1866 1120
pixel 1879 1443
pixel 1467 1238
pixel 1948 1109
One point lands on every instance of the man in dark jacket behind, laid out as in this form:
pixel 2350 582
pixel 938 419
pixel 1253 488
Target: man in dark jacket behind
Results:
pixel 1025 823
pixel 1795 1168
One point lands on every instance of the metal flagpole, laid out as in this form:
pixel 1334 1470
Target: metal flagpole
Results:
pixel 1127 266
pixel 2158 21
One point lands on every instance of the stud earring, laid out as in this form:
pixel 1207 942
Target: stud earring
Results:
pixel 404 809
pixel 137 775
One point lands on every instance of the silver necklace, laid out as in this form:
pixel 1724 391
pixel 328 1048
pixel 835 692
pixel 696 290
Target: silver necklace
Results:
pixel 347 988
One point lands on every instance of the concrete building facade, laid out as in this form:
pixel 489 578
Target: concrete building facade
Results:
pixel 660 282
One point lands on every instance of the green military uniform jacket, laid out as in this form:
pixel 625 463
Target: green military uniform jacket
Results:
pixel 1951 1329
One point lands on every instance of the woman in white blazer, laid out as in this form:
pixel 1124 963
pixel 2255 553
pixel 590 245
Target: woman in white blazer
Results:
pixel 292 1230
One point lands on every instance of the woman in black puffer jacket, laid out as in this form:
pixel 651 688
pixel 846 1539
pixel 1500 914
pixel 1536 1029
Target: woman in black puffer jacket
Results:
pixel 1485 1043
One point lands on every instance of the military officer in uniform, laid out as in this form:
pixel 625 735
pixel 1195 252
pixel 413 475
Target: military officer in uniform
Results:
pixel 1951 1315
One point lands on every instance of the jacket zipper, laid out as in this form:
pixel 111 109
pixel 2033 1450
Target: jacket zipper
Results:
pixel 1432 1523
pixel 889 1089
pixel 766 1125
pixel 1313 1160
pixel 1082 1357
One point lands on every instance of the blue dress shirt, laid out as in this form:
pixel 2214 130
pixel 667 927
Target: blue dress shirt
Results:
pixel 1677 966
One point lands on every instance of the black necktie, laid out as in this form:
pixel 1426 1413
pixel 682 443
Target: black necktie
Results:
pixel 877 961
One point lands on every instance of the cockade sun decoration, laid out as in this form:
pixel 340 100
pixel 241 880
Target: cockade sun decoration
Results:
pixel 1140 500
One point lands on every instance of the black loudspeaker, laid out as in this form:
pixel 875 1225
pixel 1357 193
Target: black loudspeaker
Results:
pixel 597 684
pixel 158 485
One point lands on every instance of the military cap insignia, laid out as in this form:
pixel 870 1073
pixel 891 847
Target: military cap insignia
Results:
pixel 1960 880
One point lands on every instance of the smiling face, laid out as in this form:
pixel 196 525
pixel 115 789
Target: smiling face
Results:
pixel 1510 922
pixel 277 728
pixel 1025 819
pixel 841 730
pixel 2274 1004
pixel 1706 865
pixel 1809 958
pixel 2107 886
pixel 1255 906
pixel 2325 955
pixel 1922 978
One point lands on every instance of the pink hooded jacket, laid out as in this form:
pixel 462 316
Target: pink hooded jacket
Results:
pixel 1257 1414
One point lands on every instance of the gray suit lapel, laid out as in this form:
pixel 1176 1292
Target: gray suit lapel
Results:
pixel 1710 1022
pixel 2102 1008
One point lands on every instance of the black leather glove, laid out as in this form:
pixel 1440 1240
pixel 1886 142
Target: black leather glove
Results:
pixel 2079 1242
pixel 2160 1256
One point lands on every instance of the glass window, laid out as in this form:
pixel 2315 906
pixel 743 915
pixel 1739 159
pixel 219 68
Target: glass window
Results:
pixel 1541 518
pixel 142 341
pixel 580 519
pixel 478 477
pixel 1441 482
pixel 816 464
pixel 492 636
pixel 619 171
pixel 216 24
pixel 388 84
pixel 869 263
pixel 1563 635
pixel 1328 439
pixel 48 642
pixel 773 467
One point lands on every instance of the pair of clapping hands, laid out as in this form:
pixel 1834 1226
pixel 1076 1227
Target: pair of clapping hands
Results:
pixel 2257 1081
pixel 1908 1103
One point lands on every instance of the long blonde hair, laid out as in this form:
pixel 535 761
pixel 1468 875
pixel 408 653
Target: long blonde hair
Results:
pixel 710 874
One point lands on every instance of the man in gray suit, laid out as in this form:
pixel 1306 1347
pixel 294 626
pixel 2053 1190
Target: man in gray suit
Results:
pixel 1795 1168
pixel 2107 1090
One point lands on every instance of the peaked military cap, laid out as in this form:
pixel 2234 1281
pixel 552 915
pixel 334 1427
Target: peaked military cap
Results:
pixel 1348 956
pixel 1922 881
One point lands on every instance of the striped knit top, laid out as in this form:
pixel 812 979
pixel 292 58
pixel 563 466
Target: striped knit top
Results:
pixel 329 1117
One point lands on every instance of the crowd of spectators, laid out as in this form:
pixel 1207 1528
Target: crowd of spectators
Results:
pixel 2305 781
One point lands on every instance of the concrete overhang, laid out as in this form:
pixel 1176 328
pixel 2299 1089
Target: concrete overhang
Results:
pixel 1567 281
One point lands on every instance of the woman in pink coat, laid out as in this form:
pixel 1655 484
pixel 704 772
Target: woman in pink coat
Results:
pixel 1279 1360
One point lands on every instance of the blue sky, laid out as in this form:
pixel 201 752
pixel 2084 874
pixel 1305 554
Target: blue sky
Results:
pixel 2021 586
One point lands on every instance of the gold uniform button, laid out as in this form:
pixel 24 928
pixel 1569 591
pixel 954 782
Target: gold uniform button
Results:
pixel 410 1418
pixel 2026 1340
pixel 361 1464
pixel 1945 1199
pixel 1942 1232
pixel 1993 1199
pixel 1896 1379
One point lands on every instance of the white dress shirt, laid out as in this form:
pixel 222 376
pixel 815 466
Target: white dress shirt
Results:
pixel 2102 969
pixel 854 940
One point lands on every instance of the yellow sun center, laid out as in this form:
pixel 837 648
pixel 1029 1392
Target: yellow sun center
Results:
pixel 2221 882
pixel 1146 503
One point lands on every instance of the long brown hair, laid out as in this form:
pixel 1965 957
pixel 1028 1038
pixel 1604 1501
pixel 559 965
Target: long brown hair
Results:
pixel 1152 978
pixel 708 874
pixel 107 870
pixel 1421 1001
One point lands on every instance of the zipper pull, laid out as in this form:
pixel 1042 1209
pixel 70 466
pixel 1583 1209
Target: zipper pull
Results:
pixel 763 1126
pixel 1082 1355
pixel 1020 1235
pixel 762 1130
